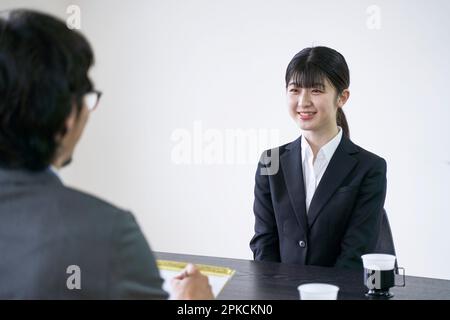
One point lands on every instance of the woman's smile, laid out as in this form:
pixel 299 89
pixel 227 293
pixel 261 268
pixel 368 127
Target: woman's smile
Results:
pixel 306 115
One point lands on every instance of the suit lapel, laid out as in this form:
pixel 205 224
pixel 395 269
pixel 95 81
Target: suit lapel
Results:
pixel 291 164
pixel 339 167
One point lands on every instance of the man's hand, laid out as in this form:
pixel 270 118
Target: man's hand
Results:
pixel 191 285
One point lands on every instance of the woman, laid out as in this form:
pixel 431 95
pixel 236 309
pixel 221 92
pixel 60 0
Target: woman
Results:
pixel 322 205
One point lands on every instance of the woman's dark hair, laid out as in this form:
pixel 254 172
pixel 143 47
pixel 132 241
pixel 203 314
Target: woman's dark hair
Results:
pixel 43 73
pixel 311 66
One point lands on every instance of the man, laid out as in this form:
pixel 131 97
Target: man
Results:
pixel 57 242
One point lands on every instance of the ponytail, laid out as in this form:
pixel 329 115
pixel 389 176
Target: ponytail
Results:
pixel 341 121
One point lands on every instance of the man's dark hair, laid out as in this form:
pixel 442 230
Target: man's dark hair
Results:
pixel 43 74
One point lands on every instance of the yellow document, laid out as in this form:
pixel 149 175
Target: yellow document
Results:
pixel 218 276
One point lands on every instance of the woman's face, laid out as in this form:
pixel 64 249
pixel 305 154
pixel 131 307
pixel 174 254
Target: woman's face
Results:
pixel 313 108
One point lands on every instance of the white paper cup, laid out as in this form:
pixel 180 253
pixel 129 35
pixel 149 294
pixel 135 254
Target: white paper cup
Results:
pixel 318 291
pixel 378 261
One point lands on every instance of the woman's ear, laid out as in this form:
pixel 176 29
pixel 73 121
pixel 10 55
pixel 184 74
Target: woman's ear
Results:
pixel 343 97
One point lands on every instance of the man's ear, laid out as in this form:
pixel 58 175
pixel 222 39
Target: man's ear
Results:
pixel 71 119
pixel 343 97
pixel 69 123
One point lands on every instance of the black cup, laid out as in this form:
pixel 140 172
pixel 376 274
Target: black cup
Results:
pixel 380 281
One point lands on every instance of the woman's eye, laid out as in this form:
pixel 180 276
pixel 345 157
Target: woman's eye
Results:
pixel 316 91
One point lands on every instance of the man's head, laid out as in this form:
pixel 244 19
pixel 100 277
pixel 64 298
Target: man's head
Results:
pixel 43 87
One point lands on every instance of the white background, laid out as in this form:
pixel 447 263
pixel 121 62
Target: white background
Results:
pixel 163 65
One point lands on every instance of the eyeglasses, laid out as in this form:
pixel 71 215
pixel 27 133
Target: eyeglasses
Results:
pixel 91 99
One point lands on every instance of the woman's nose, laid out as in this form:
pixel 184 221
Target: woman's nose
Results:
pixel 304 99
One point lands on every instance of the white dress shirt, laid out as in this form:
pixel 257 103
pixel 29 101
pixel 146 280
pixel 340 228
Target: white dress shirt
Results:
pixel 314 170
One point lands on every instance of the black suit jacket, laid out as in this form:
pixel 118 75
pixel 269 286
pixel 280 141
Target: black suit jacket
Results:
pixel 46 227
pixel 345 214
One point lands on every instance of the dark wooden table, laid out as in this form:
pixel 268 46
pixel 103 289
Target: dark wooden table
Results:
pixel 254 280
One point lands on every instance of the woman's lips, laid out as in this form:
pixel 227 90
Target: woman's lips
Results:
pixel 306 115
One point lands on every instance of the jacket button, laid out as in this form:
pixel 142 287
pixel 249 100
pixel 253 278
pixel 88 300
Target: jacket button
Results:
pixel 302 243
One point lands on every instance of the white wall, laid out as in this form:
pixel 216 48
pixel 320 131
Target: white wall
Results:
pixel 164 65
pixel 55 7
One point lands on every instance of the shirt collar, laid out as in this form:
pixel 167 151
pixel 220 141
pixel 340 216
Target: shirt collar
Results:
pixel 53 170
pixel 327 150
pixel 306 149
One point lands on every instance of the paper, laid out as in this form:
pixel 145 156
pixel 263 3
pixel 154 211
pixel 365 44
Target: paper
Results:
pixel 218 276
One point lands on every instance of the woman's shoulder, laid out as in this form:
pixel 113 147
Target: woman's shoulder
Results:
pixel 268 156
pixel 283 148
pixel 368 156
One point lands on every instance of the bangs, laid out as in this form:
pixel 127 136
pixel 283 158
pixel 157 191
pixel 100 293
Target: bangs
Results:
pixel 306 76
